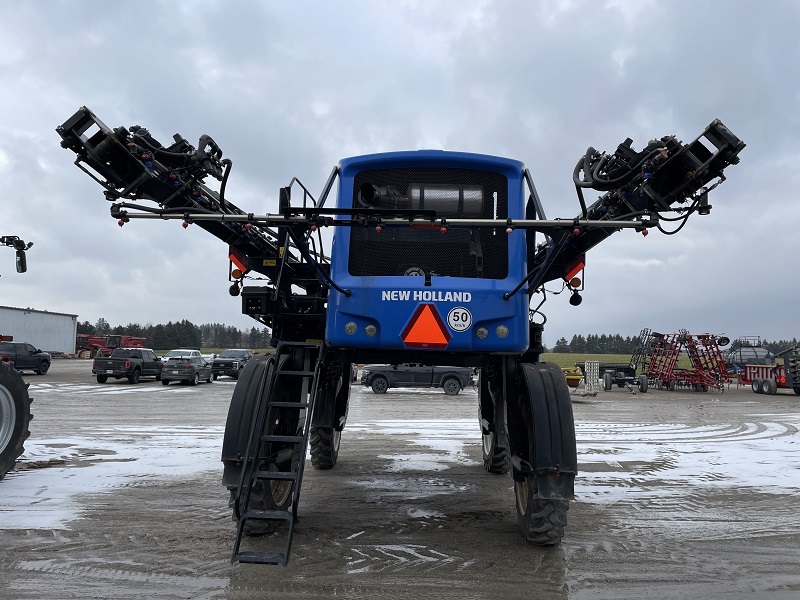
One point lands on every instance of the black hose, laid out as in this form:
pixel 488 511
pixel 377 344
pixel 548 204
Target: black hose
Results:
pixel 610 184
pixel 584 163
pixel 228 163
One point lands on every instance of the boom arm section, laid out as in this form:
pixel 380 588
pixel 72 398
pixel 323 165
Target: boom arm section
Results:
pixel 131 164
pixel 667 175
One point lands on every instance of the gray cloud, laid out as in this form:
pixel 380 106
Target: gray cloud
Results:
pixel 288 89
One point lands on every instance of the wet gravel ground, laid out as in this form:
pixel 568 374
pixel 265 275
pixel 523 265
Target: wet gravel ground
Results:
pixel 681 495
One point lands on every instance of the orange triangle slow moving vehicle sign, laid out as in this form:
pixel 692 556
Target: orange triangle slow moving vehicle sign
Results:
pixel 426 329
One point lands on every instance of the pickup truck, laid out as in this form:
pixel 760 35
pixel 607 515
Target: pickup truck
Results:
pixel 230 362
pixel 25 357
pixel 382 377
pixel 132 363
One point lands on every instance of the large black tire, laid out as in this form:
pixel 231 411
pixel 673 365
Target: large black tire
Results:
pixel 491 416
pixel 102 378
pixel 756 385
pixel 796 390
pixel 330 412
pixel 380 385
pixel 324 446
pixel 451 386
pixel 165 382
pixel 495 458
pixel 133 378
pixel 15 415
pixel 769 387
pixel 44 366
pixel 195 380
pixel 541 520
pixel 541 517
pixel 274 456
pixel 643 383
pixel 608 381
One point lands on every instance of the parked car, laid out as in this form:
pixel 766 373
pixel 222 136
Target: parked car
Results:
pixel 180 352
pixel 25 357
pixel 382 377
pixel 231 362
pixel 187 369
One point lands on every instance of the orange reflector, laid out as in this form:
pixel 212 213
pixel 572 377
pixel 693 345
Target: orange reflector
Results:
pixel 236 273
pixel 576 268
pixel 426 329
pixel 238 259
pixel 575 282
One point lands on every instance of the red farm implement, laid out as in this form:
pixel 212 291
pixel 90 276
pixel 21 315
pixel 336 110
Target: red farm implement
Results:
pixel 768 379
pixel 707 363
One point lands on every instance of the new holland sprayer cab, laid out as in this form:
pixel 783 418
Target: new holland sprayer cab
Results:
pixel 436 258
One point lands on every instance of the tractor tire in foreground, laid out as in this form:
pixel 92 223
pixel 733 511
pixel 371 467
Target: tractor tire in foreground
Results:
pixel 541 520
pixel 544 439
pixel 15 415
pixel 272 456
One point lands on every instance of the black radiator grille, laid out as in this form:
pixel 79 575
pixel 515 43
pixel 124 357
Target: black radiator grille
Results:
pixel 476 253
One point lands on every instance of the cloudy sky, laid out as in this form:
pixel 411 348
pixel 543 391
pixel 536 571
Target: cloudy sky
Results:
pixel 289 88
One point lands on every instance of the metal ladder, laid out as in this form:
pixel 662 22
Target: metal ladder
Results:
pixel 254 464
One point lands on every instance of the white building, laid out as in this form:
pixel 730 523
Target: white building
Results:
pixel 49 331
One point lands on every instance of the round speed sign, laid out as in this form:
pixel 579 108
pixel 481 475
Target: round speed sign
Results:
pixel 459 319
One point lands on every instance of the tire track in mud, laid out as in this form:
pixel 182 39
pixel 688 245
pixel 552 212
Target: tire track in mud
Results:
pixel 100 575
pixel 132 544
pixel 397 557
pixel 663 464
pixel 679 433
pixel 722 545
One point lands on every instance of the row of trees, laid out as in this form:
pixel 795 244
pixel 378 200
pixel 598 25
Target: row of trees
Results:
pixel 616 344
pixel 597 344
pixel 184 334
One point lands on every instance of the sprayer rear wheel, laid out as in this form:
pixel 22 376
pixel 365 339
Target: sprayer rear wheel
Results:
pixel 15 415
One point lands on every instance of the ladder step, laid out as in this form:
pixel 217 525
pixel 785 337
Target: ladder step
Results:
pixel 267 515
pixel 288 404
pixel 297 373
pixel 273 475
pixel 261 558
pixel 291 439
pixel 301 345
